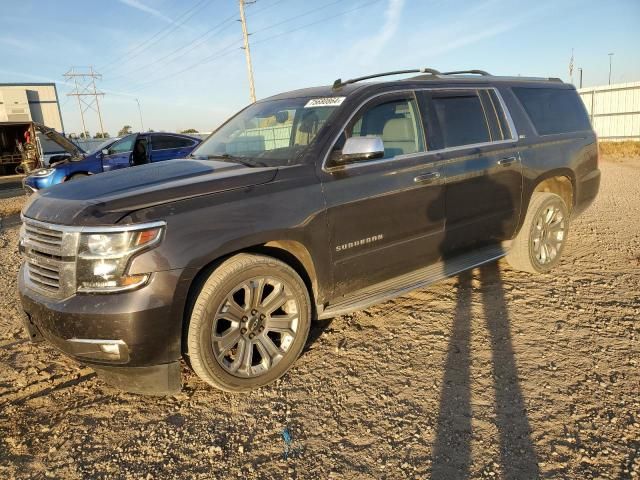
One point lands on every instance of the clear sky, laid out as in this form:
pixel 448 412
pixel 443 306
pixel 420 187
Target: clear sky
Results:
pixel 184 63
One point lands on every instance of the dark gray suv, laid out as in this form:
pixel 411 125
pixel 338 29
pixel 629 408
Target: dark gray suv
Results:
pixel 305 205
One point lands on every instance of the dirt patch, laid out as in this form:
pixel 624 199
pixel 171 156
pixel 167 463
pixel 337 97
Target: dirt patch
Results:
pixel 619 150
pixel 492 374
pixel 12 206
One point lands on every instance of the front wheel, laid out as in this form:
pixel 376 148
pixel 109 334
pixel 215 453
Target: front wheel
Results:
pixel 249 323
pixel 539 244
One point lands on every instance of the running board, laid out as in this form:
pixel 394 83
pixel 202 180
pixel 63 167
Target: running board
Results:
pixel 395 287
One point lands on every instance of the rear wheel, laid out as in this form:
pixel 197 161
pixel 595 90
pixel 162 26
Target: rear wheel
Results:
pixel 540 242
pixel 249 323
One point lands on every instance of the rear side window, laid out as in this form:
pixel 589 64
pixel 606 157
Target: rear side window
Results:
pixel 456 119
pixel 553 110
pixel 163 142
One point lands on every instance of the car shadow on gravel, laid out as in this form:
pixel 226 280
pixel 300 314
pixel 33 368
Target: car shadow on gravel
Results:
pixel 451 454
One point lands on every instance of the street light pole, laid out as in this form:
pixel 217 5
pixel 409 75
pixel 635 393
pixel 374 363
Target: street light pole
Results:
pixel 610 57
pixel 140 112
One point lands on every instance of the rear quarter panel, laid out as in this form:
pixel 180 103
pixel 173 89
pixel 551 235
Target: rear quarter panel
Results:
pixel 573 155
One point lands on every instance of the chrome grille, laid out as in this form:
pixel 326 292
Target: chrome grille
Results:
pixel 49 254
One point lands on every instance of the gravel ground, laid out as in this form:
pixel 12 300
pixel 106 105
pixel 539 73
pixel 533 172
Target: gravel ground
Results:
pixel 12 205
pixel 491 374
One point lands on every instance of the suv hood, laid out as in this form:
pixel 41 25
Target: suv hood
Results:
pixel 67 145
pixel 105 198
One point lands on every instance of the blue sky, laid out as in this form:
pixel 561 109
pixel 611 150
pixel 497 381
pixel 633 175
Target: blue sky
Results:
pixel 184 63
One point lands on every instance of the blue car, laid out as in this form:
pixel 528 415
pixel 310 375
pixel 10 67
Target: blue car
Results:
pixel 130 150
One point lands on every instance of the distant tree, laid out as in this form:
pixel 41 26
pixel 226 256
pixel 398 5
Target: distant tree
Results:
pixel 85 135
pixel 189 130
pixel 126 130
pixel 151 130
pixel 101 135
pixel 73 136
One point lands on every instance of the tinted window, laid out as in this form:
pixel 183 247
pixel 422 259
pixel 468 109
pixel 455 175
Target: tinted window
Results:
pixel 461 121
pixel 162 142
pixel 554 110
pixel 124 145
pixel 396 122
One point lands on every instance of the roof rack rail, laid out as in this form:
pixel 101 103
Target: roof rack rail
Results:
pixel 474 72
pixel 339 83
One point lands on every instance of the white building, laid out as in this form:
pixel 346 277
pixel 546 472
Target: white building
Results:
pixel 27 102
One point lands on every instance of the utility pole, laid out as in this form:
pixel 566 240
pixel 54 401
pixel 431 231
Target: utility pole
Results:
pixel 86 93
pixel 580 68
pixel 610 57
pixel 247 51
pixel 140 112
pixel 84 128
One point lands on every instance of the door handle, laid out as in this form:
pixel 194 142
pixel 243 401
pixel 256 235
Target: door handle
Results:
pixel 427 177
pixel 505 162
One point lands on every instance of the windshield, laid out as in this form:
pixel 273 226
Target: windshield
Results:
pixel 103 145
pixel 270 133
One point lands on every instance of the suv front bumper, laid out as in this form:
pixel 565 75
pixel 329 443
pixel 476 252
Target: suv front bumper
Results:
pixel 132 339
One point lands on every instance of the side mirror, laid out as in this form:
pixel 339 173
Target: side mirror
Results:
pixel 105 151
pixel 361 148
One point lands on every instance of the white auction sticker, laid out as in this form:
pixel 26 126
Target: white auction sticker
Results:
pixel 325 102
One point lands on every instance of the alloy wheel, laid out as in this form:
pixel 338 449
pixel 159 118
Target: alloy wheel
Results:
pixel 548 234
pixel 255 326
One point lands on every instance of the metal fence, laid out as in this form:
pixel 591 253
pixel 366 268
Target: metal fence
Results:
pixel 614 110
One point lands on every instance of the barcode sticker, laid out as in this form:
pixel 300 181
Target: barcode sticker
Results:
pixel 325 102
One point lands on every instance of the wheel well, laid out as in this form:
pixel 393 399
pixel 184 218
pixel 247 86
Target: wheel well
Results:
pixel 290 252
pixel 69 177
pixel 560 185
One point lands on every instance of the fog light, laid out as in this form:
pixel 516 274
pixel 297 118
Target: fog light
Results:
pixel 98 349
pixel 110 348
pixel 123 283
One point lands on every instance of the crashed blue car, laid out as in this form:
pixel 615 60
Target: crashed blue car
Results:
pixel 130 150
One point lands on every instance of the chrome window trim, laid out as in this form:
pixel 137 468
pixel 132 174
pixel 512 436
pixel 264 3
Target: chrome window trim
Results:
pixel 507 113
pixel 100 229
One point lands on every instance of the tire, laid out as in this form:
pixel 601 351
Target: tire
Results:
pixel 538 246
pixel 232 331
pixel 77 176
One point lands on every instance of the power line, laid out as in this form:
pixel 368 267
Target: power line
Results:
pixel 225 51
pixel 197 41
pixel 295 17
pixel 330 17
pixel 159 35
pixel 268 7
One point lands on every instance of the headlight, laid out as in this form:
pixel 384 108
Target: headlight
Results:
pixel 103 258
pixel 42 172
